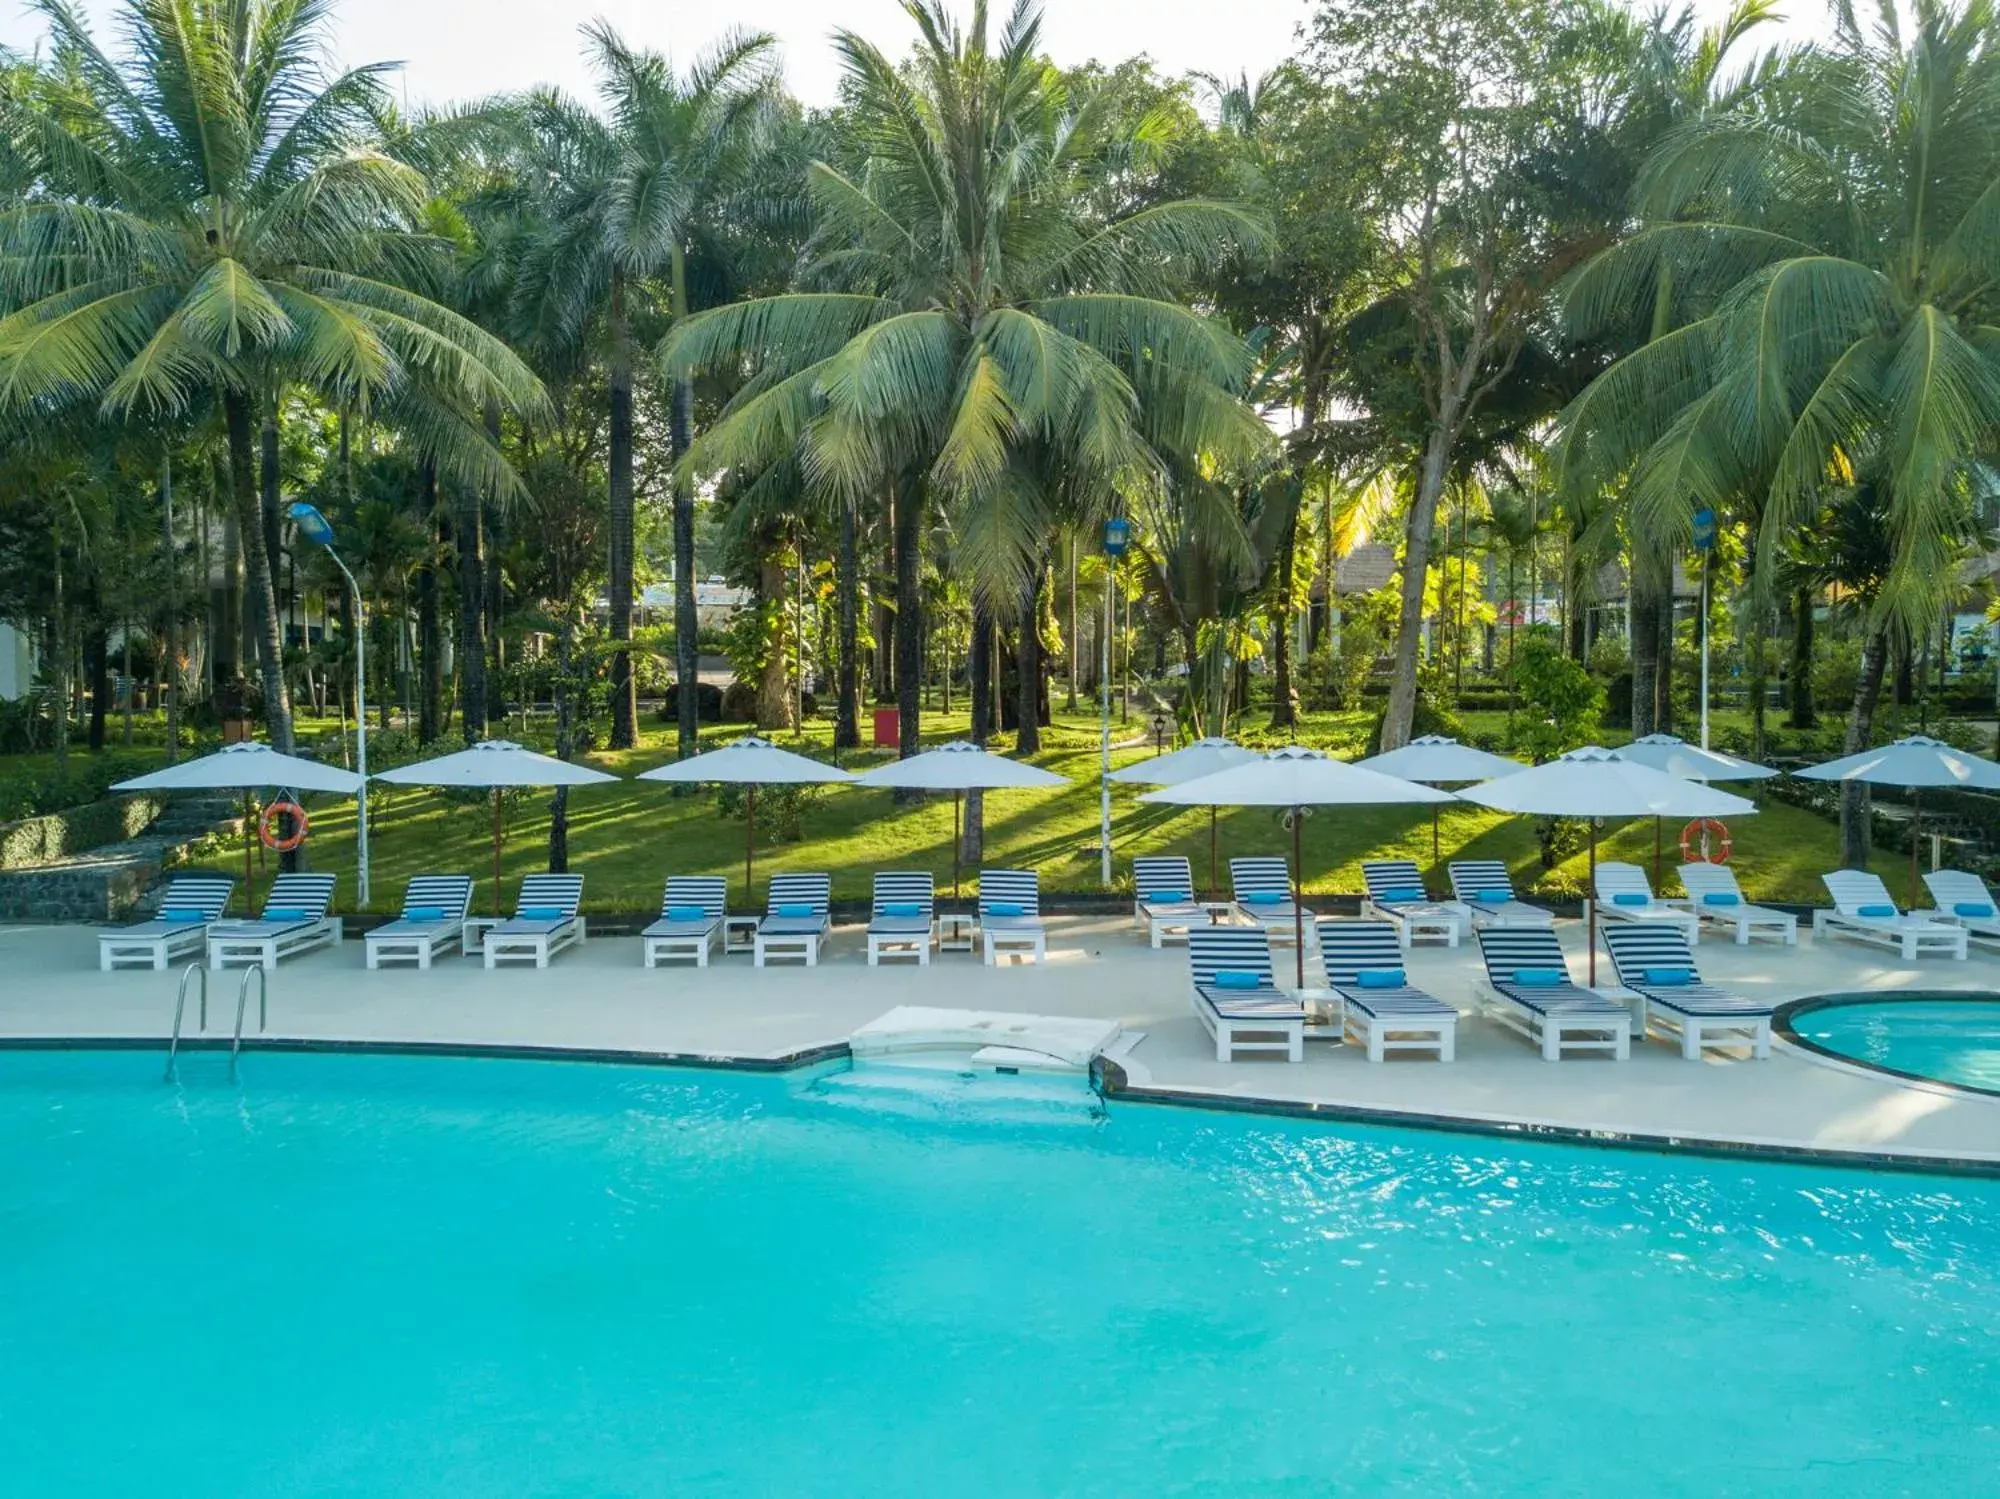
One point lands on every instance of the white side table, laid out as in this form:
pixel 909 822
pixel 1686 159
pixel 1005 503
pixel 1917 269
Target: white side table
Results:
pixel 1326 1014
pixel 739 933
pixel 954 931
pixel 472 933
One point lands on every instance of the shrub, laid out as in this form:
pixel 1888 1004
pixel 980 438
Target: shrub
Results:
pixel 707 703
pixel 781 810
pixel 1560 703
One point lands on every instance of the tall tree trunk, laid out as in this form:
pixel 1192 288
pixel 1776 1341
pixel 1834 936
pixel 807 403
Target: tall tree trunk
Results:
pixel 1643 585
pixel 171 628
pixel 1284 699
pixel 1663 682
pixel 1417 530
pixel 1072 643
pixel 1804 714
pixel 496 601
pixel 774 689
pixel 618 585
pixel 909 614
pixel 269 500
pixel 260 596
pixel 979 686
pixel 468 512
pixel 430 640
pixel 687 621
pixel 1028 666
pixel 97 673
pixel 1854 802
pixel 847 589
pixel 56 646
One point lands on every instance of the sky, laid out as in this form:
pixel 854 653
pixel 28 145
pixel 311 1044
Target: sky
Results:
pixel 462 49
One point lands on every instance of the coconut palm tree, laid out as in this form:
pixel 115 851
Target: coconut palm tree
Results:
pixel 970 317
pixel 205 214
pixel 1833 239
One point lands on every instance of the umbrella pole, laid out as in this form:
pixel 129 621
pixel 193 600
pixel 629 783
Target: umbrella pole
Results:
pixel 249 879
pixel 1916 832
pixel 1590 906
pixel 1214 868
pixel 1436 857
pixel 957 803
pixel 1656 853
pixel 1298 900
pixel 496 850
pixel 749 847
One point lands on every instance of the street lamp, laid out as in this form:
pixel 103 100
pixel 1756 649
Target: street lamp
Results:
pixel 1117 537
pixel 316 528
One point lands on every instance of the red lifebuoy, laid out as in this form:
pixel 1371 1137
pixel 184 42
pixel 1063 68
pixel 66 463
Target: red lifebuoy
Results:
pixel 284 806
pixel 1704 841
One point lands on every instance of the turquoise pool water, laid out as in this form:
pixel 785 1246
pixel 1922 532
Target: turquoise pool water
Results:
pixel 1952 1040
pixel 373 1276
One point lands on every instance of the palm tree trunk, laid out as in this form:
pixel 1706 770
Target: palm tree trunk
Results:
pixel 430 641
pixel 97 672
pixel 618 585
pixel 171 628
pixel 1402 705
pixel 1854 802
pixel 1284 699
pixel 687 619
pixel 1663 679
pixel 495 601
pixel 1645 627
pixel 847 588
pixel 972 834
pixel 471 599
pixel 909 660
pixel 260 597
pixel 1028 667
pixel 774 691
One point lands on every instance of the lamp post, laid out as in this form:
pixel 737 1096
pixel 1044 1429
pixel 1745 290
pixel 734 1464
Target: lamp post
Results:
pixel 1117 536
pixel 1704 543
pixel 316 528
pixel 1159 732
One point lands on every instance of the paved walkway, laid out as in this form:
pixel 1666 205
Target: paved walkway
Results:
pixel 600 998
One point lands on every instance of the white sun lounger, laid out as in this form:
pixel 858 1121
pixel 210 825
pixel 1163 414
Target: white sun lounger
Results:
pixel 1488 892
pixel 432 922
pixel 1963 900
pixel 691 911
pixel 1553 1013
pixel 1713 895
pixel 1256 1017
pixel 902 917
pixel 1382 1013
pixel 795 919
pixel 1261 887
pixel 1654 961
pixel 190 905
pixel 1396 894
pixel 1010 915
pixel 1163 903
pixel 1624 894
pixel 1863 910
pixel 545 921
pixel 294 920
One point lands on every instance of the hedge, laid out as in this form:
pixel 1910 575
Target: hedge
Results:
pixel 35 841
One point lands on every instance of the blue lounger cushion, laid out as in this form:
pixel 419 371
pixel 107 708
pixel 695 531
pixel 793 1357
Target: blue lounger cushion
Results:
pixel 686 913
pixel 1876 908
pixel 1004 908
pixel 539 913
pixel 1631 898
pixel 903 908
pixel 795 908
pixel 1540 978
pixel 1494 897
pixel 1722 898
pixel 1264 898
pixel 1670 976
pixel 1168 897
pixel 1380 978
pixel 424 913
pixel 283 913
pixel 179 914
pixel 1977 908
pixel 1403 892
pixel 1237 978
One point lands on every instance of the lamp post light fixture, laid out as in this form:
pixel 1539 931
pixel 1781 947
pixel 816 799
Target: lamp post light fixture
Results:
pixel 1159 732
pixel 1117 537
pixel 316 528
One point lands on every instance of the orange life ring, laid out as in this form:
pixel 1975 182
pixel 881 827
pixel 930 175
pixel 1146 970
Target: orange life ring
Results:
pixel 283 806
pixel 1704 841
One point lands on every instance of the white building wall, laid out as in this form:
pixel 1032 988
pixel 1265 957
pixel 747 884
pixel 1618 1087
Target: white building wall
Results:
pixel 17 663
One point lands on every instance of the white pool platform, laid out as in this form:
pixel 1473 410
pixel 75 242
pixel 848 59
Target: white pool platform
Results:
pixel 995 1037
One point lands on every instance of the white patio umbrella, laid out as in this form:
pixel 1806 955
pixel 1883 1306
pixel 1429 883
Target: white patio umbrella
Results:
pixel 959 767
pixel 246 767
pixel 1296 778
pixel 1690 762
pixel 1191 762
pixel 1592 783
pixel 1437 760
pixel 751 762
pixel 1916 762
pixel 495 763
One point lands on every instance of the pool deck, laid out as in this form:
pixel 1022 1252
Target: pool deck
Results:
pixel 598 998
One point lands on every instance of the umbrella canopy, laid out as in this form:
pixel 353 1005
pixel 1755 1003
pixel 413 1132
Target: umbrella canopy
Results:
pixel 1690 762
pixel 1592 783
pixel 1915 762
pixel 753 762
pixel 1436 759
pixel 495 763
pixel 959 767
pixel 246 767
pixel 1191 762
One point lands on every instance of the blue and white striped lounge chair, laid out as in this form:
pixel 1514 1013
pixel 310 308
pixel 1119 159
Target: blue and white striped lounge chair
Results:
pixel 1529 979
pixel 1261 887
pixel 1378 1007
pixel 795 919
pixel 1624 894
pixel 1863 910
pixel 1714 895
pixel 1963 900
pixel 1654 961
pixel 545 921
pixel 1163 900
pixel 190 905
pixel 902 917
pixel 1229 970
pixel 1396 894
pixel 432 921
pixel 1488 891
pixel 1010 915
pixel 294 920
pixel 691 912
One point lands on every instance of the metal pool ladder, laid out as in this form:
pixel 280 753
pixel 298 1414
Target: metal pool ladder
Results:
pixel 200 972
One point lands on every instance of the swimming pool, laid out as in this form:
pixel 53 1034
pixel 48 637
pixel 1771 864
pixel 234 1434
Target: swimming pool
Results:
pixel 1950 1040
pixel 374 1275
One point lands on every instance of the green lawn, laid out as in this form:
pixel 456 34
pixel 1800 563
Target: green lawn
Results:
pixel 626 838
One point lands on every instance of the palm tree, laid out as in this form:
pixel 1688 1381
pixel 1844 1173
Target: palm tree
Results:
pixel 206 213
pixel 973 320
pixel 637 210
pixel 1834 238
